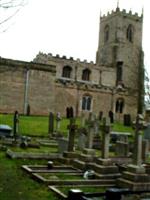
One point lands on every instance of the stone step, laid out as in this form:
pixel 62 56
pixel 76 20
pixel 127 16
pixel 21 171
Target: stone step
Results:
pixel 112 169
pixel 134 186
pixel 79 164
pixel 86 158
pixel 135 177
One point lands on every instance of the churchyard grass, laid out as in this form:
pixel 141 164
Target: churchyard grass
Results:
pixel 38 125
pixel 16 184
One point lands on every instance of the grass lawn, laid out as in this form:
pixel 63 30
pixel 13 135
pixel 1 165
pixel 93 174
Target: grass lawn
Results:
pixel 38 126
pixel 15 184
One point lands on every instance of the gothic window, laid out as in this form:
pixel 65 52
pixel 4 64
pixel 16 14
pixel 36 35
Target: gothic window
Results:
pixel 119 105
pixel 119 72
pixel 86 75
pixel 106 33
pixel 86 103
pixel 67 72
pixel 130 33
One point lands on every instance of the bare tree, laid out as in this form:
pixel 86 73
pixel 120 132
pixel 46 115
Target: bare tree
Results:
pixel 8 9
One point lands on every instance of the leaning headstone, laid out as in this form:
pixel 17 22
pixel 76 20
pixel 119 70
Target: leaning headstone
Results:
pixel 51 123
pixel 16 124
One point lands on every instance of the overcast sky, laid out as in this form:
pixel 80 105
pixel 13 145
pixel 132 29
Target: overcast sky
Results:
pixel 65 27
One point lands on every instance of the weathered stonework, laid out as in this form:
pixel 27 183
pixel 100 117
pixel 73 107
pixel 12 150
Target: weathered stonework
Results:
pixel 42 84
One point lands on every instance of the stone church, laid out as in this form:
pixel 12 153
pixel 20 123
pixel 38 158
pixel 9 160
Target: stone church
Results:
pixel 54 83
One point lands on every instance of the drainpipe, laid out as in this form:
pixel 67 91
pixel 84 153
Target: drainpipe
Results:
pixel 26 91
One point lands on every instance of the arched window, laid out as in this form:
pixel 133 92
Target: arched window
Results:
pixel 67 72
pixel 86 75
pixel 130 33
pixel 119 105
pixel 106 33
pixel 86 103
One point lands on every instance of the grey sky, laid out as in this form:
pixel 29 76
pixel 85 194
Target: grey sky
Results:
pixel 65 27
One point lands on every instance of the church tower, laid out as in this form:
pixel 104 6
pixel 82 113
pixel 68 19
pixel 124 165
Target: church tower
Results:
pixel 120 46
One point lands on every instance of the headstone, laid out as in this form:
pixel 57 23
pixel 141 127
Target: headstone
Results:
pixel 111 116
pixel 147 132
pixel 28 110
pixel 145 150
pixel 62 145
pixel 82 138
pixel 67 113
pixel 72 130
pixel 122 149
pixel 127 120
pixel 71 112
pixel 58 119
pixel 16 124
pixel 100 115
pixel 51 123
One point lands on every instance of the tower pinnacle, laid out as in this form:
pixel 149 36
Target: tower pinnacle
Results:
pixel 117 3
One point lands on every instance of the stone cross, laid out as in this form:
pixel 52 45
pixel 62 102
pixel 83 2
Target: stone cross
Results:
pixel 106 128
pixel 137 156
pixel 72 130
pixel 16 124
pixel 51 123
pixel 91 130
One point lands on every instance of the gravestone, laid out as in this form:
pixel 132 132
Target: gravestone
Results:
pixel 111 116
pixel 127 120
pixel 70 153
pixel 72 130
pixel 69 112
pixel 58 119
pixel 51 123
pixel 62 145
pixel 147 132
pixel 28 110
pixel 145 150
pixel 82 138
pixel 122 149
pixel 135 176
pixel 16 124
pixel 100 115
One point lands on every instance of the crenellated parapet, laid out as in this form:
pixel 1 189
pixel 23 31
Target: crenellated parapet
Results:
pixel 124 13
pixel 44 58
